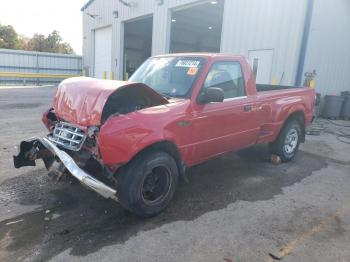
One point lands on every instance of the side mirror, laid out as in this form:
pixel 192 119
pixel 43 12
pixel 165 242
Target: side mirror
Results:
pixel 211 94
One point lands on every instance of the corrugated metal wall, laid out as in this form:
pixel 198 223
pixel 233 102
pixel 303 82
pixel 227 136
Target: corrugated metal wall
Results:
pixel 266 24
pixel 17 61
pixel 328 50
pixel 248 25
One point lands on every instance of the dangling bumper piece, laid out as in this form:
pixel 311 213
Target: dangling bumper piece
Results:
pixel 43 148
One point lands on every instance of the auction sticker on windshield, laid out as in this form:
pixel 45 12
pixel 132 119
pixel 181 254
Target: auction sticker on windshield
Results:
pixel 187 63
pixel 192 71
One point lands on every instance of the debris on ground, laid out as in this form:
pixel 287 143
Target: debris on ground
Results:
pixel 64 232
pixel 275 159
pixel 14 222
pixel 315 129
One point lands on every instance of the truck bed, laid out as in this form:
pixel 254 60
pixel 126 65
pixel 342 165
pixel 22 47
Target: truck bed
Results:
pixel 263 87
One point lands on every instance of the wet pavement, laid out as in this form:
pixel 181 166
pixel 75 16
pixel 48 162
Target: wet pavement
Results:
pixel 41 219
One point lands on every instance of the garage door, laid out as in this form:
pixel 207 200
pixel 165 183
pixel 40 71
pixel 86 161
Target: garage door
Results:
pixel 103 52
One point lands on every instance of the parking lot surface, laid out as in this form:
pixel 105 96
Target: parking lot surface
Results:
pixel 238 207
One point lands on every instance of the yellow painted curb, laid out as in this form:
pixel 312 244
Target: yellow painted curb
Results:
pixel 34 75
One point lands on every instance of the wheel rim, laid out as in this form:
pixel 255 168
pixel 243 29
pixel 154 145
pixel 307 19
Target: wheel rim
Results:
pixel 291 141
pixel 156 185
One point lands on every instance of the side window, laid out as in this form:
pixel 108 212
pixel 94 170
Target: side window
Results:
pixel 227 76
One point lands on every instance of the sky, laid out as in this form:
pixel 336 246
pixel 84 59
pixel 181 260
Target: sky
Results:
pixel 43 16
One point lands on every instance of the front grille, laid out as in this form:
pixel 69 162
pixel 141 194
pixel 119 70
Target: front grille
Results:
pixel 68 136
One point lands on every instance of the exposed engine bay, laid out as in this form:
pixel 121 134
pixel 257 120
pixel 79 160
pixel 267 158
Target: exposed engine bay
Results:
pixel 90 102
pixel 128 100
pixel 81 106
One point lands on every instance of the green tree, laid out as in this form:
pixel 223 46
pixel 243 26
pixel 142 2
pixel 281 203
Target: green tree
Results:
pixel 8 37
pixel 53 43
pixel 37 43
pixel 22 43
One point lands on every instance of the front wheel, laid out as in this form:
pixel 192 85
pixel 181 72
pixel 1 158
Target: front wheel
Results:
pixel 147 184
pixel 287 144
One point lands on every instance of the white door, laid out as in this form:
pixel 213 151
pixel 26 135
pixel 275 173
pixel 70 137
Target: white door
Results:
pixel 261 63
pixel 103 52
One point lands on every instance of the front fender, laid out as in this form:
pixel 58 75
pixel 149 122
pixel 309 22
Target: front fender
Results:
pixel 120 140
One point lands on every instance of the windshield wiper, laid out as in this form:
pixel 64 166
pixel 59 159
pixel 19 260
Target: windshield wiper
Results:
pixel 167 96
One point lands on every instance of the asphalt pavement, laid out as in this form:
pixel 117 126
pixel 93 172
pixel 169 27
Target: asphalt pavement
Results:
pixel 238 207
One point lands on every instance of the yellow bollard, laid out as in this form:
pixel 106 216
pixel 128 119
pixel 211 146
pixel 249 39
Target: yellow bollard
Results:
pixel 274 81
pixel 104 75
pixel 312 84
pixel 112 75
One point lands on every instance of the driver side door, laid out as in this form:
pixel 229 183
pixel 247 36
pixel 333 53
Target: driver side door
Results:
pixel 225 126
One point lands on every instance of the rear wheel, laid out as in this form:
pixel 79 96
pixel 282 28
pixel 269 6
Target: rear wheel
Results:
pixel 147 184
pixel 287 144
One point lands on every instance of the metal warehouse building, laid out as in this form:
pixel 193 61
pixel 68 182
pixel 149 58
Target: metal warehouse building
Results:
pixel 283 39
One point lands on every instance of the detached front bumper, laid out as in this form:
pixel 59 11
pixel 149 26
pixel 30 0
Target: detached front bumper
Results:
pixel 43 148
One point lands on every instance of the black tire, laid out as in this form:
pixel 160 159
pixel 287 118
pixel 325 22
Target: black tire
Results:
pixel 279 146
pixel 148 183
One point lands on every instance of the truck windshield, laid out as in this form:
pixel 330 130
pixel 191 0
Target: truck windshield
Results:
pixel 169 76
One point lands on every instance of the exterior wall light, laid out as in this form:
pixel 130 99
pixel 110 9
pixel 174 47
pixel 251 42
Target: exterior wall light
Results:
pixel 115 13
pixel 128 4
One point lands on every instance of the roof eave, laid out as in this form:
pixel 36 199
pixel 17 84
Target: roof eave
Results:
pixel 86 5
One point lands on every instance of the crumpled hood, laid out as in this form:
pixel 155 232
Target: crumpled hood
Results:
pixel 81 100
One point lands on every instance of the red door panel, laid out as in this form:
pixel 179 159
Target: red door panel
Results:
pixel 217 128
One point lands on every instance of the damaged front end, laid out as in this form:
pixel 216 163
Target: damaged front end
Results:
pixel 43 148
pixel 81 106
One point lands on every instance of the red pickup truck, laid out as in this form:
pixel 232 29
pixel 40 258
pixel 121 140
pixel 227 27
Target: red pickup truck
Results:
pixel 132 140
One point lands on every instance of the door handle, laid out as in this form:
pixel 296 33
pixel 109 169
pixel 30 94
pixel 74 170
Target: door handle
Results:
pixel 248 108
